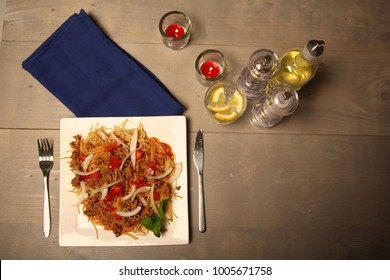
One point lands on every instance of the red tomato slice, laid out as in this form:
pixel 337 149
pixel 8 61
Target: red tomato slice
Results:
pixel 92 176
pixel 114 163
pixel 113 146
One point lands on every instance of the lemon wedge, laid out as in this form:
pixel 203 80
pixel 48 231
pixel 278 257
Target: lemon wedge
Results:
pixel 218 107
pixel 218 95
pixel 226 116
pixel 236 102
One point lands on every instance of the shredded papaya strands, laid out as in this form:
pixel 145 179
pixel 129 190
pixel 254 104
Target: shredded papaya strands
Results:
pixel 119 159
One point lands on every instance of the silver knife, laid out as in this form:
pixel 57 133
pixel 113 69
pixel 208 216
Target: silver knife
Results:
pixel 198 159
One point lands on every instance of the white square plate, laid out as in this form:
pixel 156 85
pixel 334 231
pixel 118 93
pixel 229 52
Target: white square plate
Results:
pixel 74 228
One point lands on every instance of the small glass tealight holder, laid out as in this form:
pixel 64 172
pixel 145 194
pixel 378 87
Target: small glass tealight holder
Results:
pixel 175 28
pixel 210 67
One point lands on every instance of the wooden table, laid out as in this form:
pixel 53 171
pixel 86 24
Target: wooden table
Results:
pixel 316 186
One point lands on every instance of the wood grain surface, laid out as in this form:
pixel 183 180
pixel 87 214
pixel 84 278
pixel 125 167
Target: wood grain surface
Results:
pixel 316 186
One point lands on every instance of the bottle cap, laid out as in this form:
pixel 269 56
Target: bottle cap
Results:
pixel 264 64
pixel 315 47
pixel 282 100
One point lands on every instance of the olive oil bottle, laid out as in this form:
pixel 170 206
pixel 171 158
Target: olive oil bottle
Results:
pixel 298 66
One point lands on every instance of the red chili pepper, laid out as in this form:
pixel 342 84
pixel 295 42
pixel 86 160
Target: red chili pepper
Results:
pixel 116 216
pixel 94 175
pixel 108 198
pixel 139 153
pixel 113 146
pixel 156 196
pixel 110 208
pixel 82 157
pixel 115 191
pixel 152 168
pixel 114 163
pixel 139 183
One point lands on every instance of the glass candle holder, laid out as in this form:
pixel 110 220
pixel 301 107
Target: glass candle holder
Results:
pixel 175 28
pixel 225 103
pixel 210 67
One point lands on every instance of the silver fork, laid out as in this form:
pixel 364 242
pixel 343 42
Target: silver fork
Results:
pixel 45 150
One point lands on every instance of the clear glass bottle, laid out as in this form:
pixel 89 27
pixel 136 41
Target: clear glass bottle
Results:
pixel 254 78
pixel 280 101
pixel 298 66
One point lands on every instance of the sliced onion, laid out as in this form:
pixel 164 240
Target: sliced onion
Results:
pixel 102 134
pixel 118 140
pixel 123 161
pixel 152 201
pixel 132 191
pixel 143 201
pixel 166 173
pixel 141 190
pixel 126 157
pixel 129 213
pixel 176 172
pixel 83 195
pixel 133 146
pixel 104 194
pixel 106 186
pixel 87 161
pixel 84 173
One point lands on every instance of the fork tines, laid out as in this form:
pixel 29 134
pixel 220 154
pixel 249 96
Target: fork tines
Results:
pixel 45 149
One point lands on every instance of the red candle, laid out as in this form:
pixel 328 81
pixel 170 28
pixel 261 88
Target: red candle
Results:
pixel 210 69
pixel 175 30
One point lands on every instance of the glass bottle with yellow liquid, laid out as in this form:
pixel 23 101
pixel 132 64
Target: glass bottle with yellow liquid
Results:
pixel 298 66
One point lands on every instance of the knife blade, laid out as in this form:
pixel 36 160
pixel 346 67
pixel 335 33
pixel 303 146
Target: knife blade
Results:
pixel 199 160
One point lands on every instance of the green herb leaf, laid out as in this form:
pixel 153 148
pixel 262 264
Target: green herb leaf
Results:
pixel 162 207
pixel 155 222
pixel 157 227
pixel 149 222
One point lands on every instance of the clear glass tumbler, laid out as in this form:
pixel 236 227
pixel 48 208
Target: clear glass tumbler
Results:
pixel 175 28
pixel 224 102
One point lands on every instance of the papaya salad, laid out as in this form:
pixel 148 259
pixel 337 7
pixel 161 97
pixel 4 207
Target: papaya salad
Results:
pixel 125 181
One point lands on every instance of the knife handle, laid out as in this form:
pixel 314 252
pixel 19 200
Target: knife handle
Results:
pixel 202 214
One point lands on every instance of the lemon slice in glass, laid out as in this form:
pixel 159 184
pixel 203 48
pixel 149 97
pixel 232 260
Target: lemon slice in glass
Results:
pixel 236 102
pixel 218 107
pixel 226 116
pixel 218 95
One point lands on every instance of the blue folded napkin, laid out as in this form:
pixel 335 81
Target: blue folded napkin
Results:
pixel 94 77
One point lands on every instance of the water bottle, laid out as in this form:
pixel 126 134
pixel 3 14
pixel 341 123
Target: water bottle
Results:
pixel 280 101
pixel 254 78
